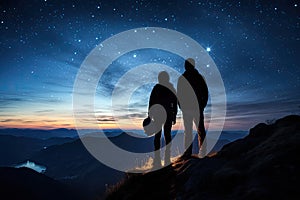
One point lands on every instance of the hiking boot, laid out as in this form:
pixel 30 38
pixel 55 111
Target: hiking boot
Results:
pixel 157 164
pixel 167 161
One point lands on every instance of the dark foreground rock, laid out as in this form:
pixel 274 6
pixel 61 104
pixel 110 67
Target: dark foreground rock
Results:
pixel 24 183
pixel 263 165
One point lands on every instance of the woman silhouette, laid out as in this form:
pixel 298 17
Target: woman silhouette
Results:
pixel 163 94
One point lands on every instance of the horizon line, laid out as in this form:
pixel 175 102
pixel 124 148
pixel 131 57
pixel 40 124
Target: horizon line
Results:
pixel 104 129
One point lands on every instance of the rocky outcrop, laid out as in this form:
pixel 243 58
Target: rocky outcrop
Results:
pixel 263 165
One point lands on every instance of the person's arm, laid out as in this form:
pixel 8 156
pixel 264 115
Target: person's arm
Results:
pixel 179 90
pixel 152 99
pixel 175 109
pixel 174 102
pixel 204 92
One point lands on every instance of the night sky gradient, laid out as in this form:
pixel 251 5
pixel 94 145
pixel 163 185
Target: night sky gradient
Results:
pixel 255 45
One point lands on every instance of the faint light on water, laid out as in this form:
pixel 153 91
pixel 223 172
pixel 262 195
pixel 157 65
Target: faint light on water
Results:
pixel 33 166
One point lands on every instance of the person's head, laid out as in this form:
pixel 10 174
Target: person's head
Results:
pixel 189 64
pixel 163 77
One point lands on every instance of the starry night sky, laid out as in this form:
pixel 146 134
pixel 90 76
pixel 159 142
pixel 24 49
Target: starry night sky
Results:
pixel 255 45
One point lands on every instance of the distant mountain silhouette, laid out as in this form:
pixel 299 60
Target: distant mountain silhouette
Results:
pixel 263 165
pixel 71 163
pixel 24 183
pixel 14 149
pixel 67 160
pixel 133 144
pixel 40 134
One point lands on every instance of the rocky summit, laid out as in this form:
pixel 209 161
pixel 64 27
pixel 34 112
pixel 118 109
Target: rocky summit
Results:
pixel 263 165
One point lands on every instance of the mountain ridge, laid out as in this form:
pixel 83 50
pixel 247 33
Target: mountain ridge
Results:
pixel 263 165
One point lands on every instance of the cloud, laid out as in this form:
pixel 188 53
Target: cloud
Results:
pixel 45 111
pixel 12 120
pixel 246 114
pixel 133 115
pixel 105 119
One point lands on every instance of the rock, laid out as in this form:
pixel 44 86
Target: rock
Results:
pixel 263 165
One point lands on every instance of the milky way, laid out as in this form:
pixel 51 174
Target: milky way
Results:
pixel 255 45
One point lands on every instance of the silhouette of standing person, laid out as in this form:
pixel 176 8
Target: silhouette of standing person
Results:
pixel 192 92
pixel 163 94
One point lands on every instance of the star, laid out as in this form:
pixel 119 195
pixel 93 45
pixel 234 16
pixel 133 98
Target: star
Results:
pixel 243 44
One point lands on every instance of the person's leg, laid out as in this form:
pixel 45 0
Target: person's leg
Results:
pixel 201 135
pixel 188 133
pixel 157 138
pixel 167 134
pixel 157 159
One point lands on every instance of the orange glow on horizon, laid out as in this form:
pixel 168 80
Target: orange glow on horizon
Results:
pixel 69 123
pixel 66 120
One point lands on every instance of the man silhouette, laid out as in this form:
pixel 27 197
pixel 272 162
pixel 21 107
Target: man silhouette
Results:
pixel 163 94
pixel 192 94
